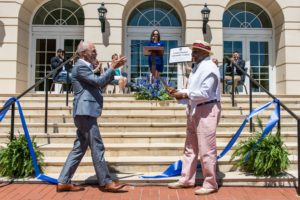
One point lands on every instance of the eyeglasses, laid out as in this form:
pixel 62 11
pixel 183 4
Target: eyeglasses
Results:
pixel 155 33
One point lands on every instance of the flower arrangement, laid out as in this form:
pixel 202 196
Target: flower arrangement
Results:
pixel 151 91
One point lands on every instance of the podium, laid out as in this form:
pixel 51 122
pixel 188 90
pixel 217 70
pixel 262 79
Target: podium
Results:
pixel 150 50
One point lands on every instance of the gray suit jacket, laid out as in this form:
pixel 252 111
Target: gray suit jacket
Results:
pixel 88 99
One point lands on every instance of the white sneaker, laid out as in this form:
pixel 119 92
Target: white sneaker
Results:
pixel 178 185
pixel 203 191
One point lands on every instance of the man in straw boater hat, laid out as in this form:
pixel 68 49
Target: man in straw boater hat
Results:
pixel 203 114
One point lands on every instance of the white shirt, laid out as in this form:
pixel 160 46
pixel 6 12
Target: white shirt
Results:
pixel 204 84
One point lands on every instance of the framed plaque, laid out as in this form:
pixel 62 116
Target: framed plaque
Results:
pixel 180 54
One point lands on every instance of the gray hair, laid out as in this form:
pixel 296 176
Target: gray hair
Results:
pixel 83 46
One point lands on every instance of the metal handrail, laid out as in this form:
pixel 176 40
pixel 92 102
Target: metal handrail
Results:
pixel 12 103
pixel 267 91
pixel 278 124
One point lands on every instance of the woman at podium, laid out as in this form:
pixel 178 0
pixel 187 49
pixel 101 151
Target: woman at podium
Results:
pixel 155 60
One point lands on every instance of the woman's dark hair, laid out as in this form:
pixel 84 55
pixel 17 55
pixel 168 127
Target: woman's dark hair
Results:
pixel 115 54
pixel 152 34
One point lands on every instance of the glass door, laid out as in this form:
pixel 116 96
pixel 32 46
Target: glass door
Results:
pixel 259 63
pixel 70 46
pixel 139 63
pixel 256 53
pixel 230 47
pixel 45 49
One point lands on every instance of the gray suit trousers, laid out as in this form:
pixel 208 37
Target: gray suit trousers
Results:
pixel 88 134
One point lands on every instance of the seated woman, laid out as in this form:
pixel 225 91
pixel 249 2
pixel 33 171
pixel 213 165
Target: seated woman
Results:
pixel 119 78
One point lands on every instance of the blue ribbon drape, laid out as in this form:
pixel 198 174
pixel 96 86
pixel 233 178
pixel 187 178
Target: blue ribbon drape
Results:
pixel 172 170
pixel 37 172
pixel 270 125
pixel 175 169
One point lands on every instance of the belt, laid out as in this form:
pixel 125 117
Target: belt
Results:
pixel 208 102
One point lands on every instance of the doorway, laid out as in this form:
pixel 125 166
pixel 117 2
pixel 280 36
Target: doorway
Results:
pixel 256 51
pixel 56 24
pixel 44 46
pixel 138 63
pixel 144 18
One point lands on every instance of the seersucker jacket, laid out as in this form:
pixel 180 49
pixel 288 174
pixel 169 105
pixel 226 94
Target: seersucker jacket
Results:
pixel 88 99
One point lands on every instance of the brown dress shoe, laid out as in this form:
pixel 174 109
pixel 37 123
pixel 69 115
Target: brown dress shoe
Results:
pixel 112 187
pixel 61 187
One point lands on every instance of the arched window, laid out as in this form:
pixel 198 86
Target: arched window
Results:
pixel 154 13
pixel 59 12
pixel 246 15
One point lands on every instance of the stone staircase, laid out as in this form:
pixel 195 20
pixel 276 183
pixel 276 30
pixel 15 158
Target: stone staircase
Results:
pixel 143 137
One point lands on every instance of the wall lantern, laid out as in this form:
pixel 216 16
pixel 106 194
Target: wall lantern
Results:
pixel 102 12
pixel 205 16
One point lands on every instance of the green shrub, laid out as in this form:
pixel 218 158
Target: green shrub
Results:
pixel 15 160
pixel 268 158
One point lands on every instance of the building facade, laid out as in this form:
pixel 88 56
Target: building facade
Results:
pixel 265 32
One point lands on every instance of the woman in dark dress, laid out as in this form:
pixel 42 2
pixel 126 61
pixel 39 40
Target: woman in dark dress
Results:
pixel 155 61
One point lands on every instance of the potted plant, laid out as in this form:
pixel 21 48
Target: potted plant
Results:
pixel 15 160
pixel 267 158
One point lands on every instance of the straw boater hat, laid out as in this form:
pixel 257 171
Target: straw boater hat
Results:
pixel 199 44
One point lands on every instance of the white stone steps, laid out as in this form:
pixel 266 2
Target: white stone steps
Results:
pixel 42 94
pixel 171 134
pixel 128 127
pixel 244 103
pixel 124 98
pixel 140 149
pixel 116 164
pixel 142 134
pixel 136 146
pixel 148 118
pixel 135 137
pixel 109 103
pixel 146 105
pixel 142 111
pixel 63 110
pixel 109 124
pixel 135 164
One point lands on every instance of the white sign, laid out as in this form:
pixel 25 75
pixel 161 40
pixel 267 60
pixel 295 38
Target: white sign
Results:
pixel 180 54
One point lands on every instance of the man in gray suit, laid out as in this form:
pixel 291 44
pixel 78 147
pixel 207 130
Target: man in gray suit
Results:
pixel 88 104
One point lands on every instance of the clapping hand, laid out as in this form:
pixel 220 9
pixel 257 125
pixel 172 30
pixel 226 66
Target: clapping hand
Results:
pixel 98 68
pixel 119 62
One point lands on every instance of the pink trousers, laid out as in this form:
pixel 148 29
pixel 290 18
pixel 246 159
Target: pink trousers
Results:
pixel 201 141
